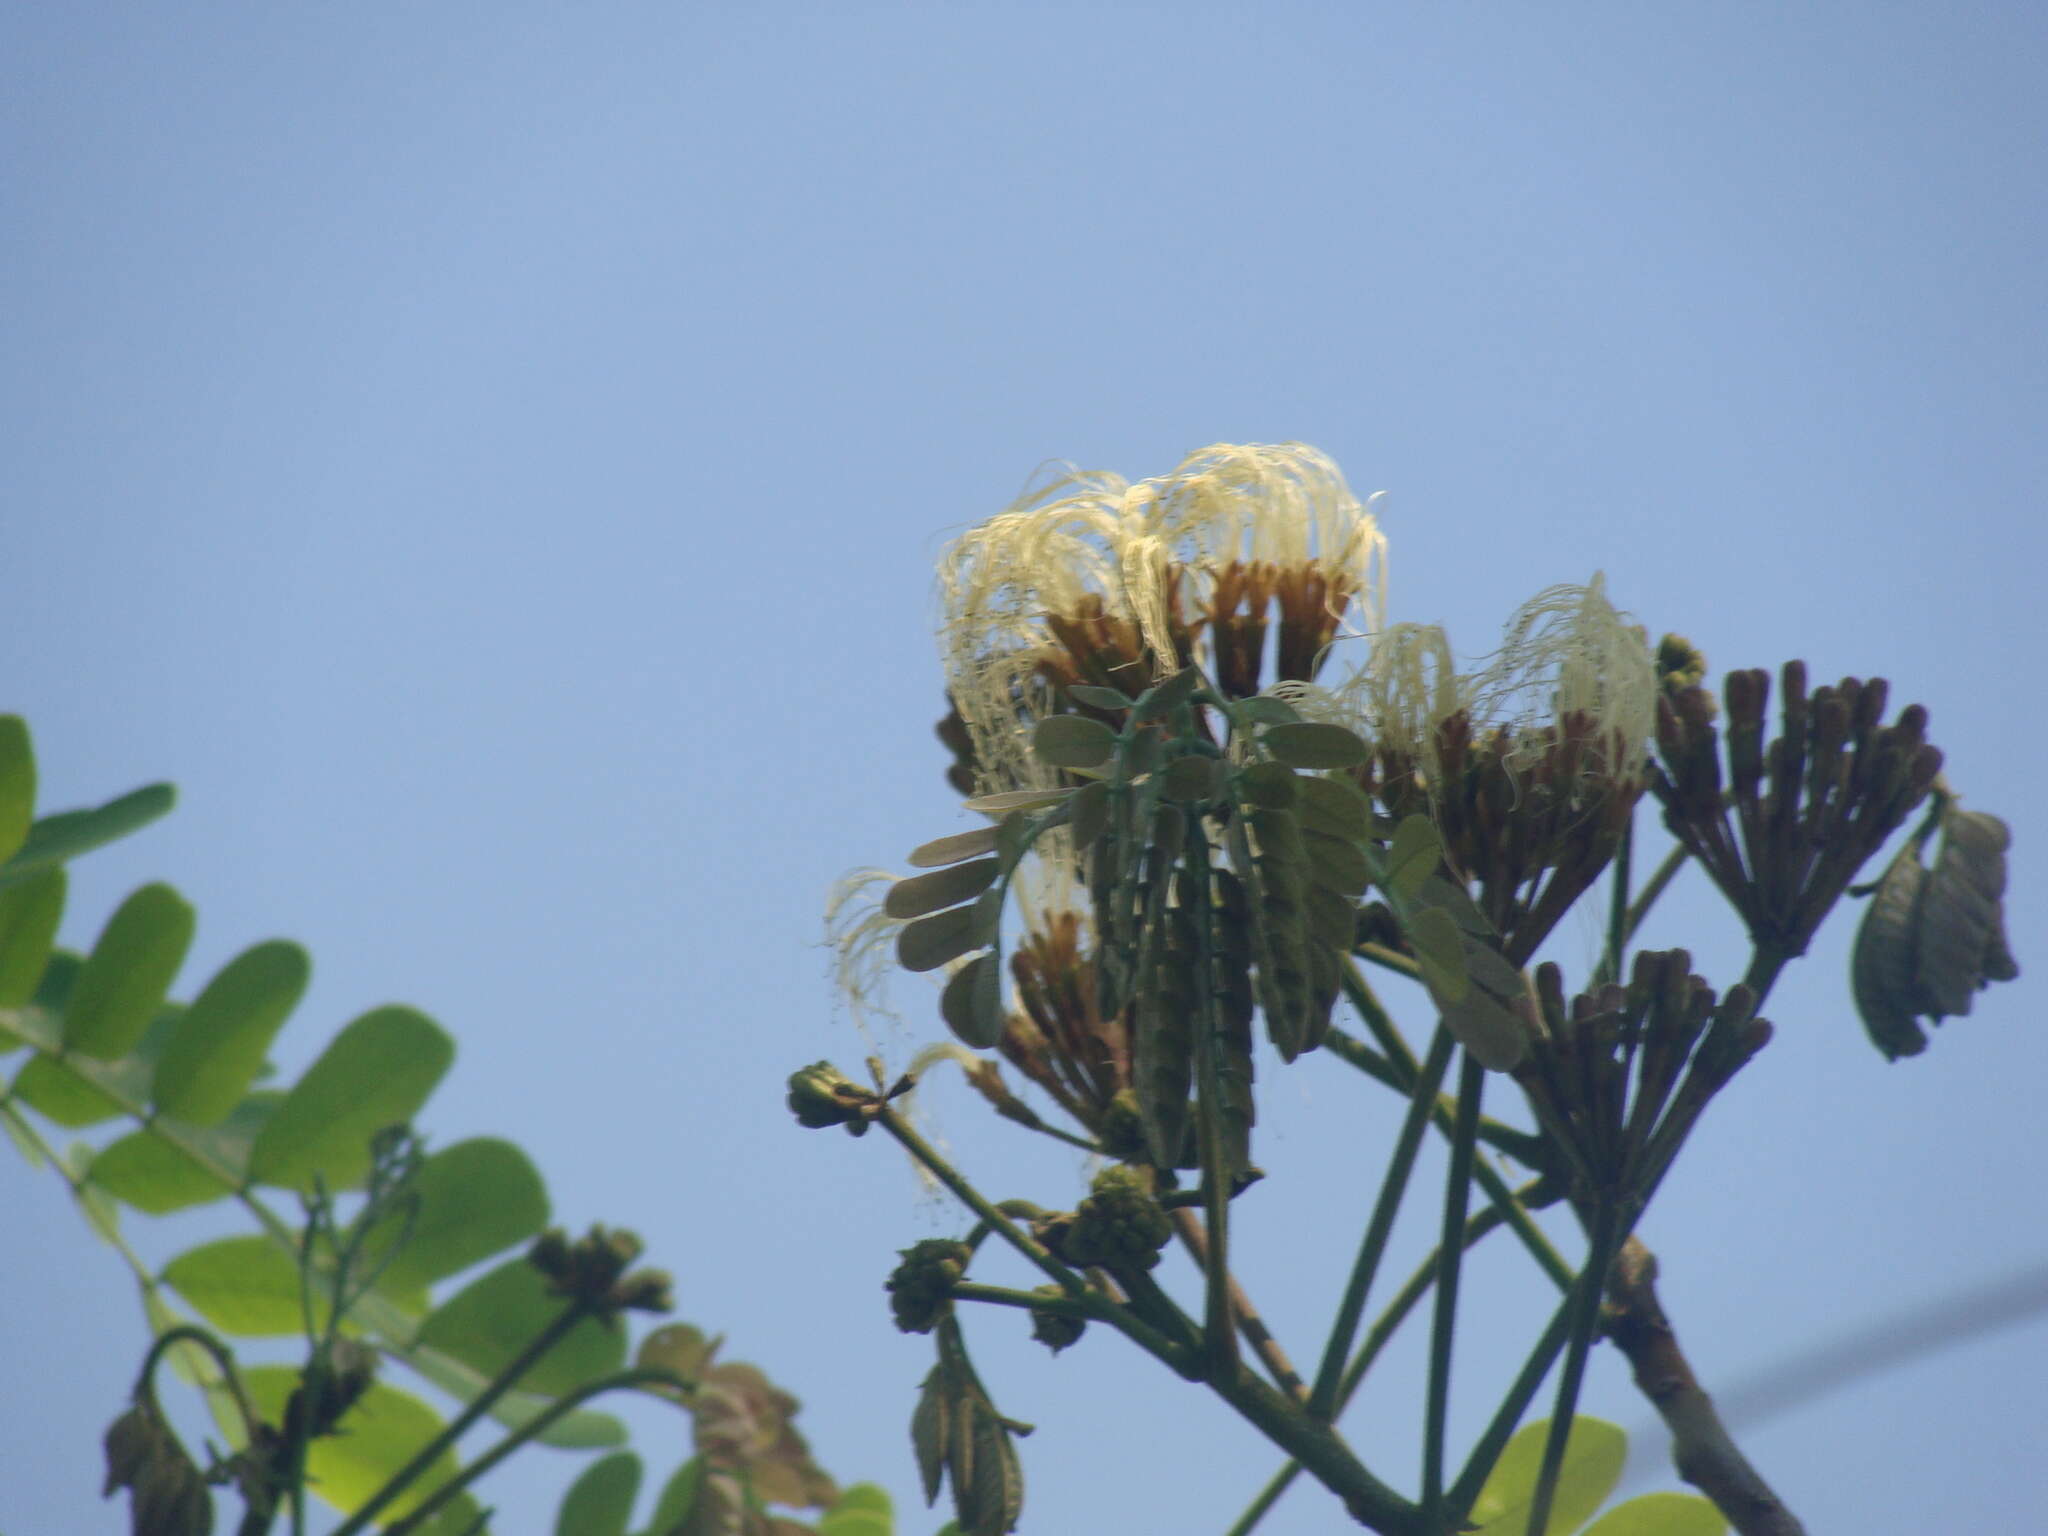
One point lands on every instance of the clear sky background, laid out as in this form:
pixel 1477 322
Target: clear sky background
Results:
pixel 490 457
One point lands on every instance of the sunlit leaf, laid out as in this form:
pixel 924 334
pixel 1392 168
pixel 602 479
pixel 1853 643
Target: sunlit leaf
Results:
pixel 1661 1514
pixel 217 1050
pixel 101 1214
pixel 376 1073
pixel 600 1502
pixel 1005 801
pixel 475 1199
pixel 145 1171
pixel 582 1429
pixel 55 839
pixel 1593 1456
pixel 130 969
pixel 242 1285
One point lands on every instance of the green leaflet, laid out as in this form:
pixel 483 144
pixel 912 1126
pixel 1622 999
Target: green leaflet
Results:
pixel 247 1286
pixel 129 971
pixel 922 894
pixel 600 1502
pixel 1593 1456
pixel 476 1198
pixel 17 785
pixel 145 1171
pixel 678 1497
pixel 862 1510
pixel 1661 1514
pixel 378 1072
pixel 1072 741
pixel 1311 744
pixel 57 839
pixel 217 1049
pixel 492 1318
pixel 29 913
pixel 377 1437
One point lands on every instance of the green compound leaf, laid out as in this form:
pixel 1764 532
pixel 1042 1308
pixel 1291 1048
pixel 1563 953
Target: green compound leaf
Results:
pixel 377 1437
pixel 242 1285
pixel 1072 741
pixel 101 1214
pixel 922 894
pixel 377 1073
pixel 495 1316
pixel 600 1502
pixel 1163 698
pixel 128 972
pixel 217 1049
pixel 476 1198
pixel 1312 744
pixel 582 1429
pixel 1661 1514
pixel 57 839
pixel 1592 1466
pixel 1264 709
pixel 29 914
pixel 17 784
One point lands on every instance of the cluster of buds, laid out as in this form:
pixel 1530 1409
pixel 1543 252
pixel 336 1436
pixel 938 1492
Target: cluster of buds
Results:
pixel 820 1096
pixel 1055 1330
pixel 167 1493
pixel 921 1287
pixel 1619 1076
pixel 1121 1225
pixel 596 1272
pixel 1808 809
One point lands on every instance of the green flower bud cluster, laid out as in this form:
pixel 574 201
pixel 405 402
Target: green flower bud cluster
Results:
pixel 820 1095
pixel 594 1271
pixel 921 1288
pixel 1121 1225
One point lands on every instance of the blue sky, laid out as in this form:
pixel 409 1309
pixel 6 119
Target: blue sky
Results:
pixel 491 458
